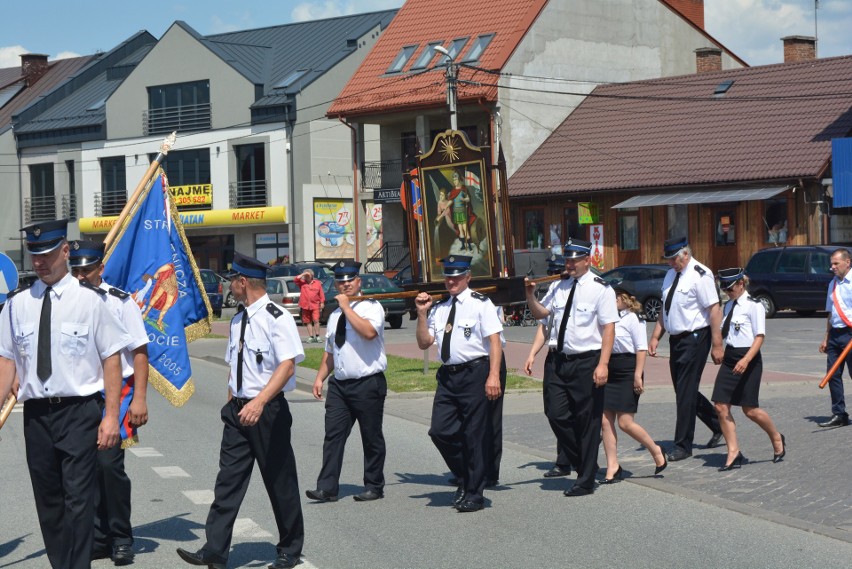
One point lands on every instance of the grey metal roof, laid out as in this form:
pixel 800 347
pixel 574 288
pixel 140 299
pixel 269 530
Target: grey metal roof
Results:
pixel 710 196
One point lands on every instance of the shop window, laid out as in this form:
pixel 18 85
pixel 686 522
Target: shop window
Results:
pixel 725 230
pixel 628 230
pixel 571 223
pixel 677 222
pixel 534 228
pixel 775 220
pixel 272 248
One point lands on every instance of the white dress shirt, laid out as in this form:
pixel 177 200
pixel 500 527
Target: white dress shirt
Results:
pixel 358 357
pixel 630 334
pixel 695 294
pixel 272 337
pixel 592 307
pixel 83 333
pixel 748 321
pixel 129 314
pixel 844 290
pixel 476 319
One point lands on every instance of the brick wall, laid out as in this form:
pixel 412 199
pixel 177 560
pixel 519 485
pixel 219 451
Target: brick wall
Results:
pixel 799 48
pixel 708 59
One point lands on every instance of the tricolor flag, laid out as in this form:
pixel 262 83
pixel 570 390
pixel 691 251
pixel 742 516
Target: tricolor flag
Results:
pixel 150 259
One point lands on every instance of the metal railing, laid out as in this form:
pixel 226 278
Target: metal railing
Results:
pixel 392 256
pixel 251 193
pixel 41 208
pixel 69 206
pixel 110 203
pixel 381 175
pixel 181 119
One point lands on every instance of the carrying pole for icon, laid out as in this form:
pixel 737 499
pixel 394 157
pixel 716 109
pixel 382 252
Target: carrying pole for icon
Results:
pixel 132 202
pixel 424 265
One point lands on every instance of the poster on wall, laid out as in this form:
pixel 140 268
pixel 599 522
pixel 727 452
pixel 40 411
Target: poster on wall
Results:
pixel 457 218
pixel 375 236
pixel 333 229
pixel 597 234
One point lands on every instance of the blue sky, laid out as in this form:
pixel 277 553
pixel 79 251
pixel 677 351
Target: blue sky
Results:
pixel 751 28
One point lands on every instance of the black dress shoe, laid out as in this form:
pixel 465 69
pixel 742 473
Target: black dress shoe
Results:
pixel 836 421
pixel 557 471
pixel 285 561
pixel 619 474
pixel 320 496
pixel 459 496
pixel 779 456
pixel 469 506
pixel 577 491
pixel 201 557
pixel 368 496
pixel 122 555
pixel 678 454
pixel 715 440
pixel 100 552
pixel 663 466
pixel 736 463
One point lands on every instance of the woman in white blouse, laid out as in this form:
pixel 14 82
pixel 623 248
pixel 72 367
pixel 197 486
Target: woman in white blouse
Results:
pixel 625 384
pixel 738 380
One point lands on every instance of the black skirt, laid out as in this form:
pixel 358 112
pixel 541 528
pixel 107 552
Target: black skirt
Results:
pixel 742 390
pixel 618 391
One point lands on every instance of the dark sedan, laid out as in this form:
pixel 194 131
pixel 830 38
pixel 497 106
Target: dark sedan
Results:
pixel 395 308
pixel 213 287
pixel 647 282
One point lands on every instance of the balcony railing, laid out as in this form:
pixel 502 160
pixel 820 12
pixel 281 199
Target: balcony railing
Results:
pixel 41 208
pixel 393 256
pixel 386 174
pixel 251 193
pixel 181 119
pixel 69 206
pixel 110 203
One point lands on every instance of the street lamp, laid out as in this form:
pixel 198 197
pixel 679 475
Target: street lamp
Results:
pixel 452 77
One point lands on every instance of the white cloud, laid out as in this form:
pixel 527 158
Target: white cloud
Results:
pixel 753 28
pixel 332 8
pixel 10 56
pixel 65 55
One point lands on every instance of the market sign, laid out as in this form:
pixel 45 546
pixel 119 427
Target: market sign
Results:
pixel 210 218
pixel 587 213
pixel 192 194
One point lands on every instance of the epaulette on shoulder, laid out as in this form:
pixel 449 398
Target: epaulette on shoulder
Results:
pixel 22 288
pixel 478 295
pixel 117 292
pixel 273 310
pixel 753 299
pixel 700 270
pixel 97 289
pixel 601 281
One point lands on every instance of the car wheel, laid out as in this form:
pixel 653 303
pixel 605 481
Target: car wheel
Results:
pixel 230 301
pixel 652 308
pixel 395 321
pixel 767 303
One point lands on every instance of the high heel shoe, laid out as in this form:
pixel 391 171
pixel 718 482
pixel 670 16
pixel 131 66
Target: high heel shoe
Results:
pixel 778 457
pixel 736 463
pixel 615 478
pixel 663 466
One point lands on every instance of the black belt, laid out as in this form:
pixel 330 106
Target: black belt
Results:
pixel 472 363
pixel 348 379
pixel 841 330
pixel 241 402
pixel 622 355
pixel 70 400
pixel 687 333
pixel 580 356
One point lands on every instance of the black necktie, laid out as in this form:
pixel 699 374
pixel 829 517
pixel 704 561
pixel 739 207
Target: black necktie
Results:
pixel 43 365
pixel 670 296
pixel 340 331
pixel 726 326
pixel 560 342
pixel 448 332
pixel 243 323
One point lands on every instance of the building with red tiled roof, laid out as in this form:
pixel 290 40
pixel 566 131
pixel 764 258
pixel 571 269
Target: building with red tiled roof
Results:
pixel 19 88
pixel 733 159
pixel 524 65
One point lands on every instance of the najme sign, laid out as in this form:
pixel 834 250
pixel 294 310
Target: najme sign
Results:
pixel 193 194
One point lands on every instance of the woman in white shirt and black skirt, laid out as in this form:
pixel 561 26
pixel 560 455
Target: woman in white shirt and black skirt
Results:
pixel 738 380
pixel 625 384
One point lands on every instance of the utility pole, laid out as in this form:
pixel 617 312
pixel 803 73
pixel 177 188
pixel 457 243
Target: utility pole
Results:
pixel 452 80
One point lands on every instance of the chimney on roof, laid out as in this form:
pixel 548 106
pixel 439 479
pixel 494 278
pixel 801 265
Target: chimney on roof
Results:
pixel 33 66
pixel 799 48
pixel 708 59
pixel 692 10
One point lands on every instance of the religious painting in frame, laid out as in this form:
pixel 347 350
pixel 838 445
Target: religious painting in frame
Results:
pixel 458 209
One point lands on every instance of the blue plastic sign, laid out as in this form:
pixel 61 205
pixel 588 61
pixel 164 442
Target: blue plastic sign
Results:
pixel 8 276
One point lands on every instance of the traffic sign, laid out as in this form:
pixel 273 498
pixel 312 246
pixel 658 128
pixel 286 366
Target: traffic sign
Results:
pixel 8 276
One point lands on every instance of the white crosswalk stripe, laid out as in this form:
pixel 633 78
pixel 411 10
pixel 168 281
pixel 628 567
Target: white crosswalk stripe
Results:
pixel 247 528
pixel 170 471
pixel 199 497
pixel 144 452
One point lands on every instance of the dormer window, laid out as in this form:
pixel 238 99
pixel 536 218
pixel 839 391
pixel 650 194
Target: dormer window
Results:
pixel 454 50
pixel 402 58
pixel 426 56
pixel 477 47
